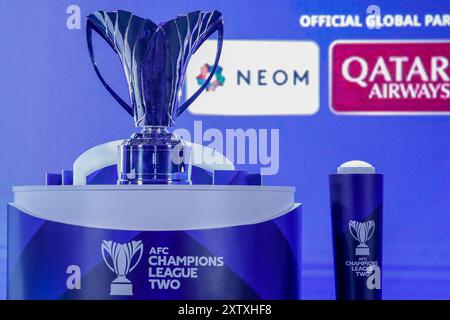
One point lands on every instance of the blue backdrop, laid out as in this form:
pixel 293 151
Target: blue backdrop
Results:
pixel 53 108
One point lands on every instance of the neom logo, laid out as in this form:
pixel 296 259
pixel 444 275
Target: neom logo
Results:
pixel 260 77
pixel 390 77
pixel 217 80
pixel 278 77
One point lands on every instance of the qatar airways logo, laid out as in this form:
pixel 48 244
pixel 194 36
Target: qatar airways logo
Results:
pixel 390 77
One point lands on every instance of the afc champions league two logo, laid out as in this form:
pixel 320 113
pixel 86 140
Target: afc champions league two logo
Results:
pixel 122 259
pixel 362 232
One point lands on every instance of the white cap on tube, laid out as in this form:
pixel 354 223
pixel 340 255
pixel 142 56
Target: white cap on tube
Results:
pixel 356 166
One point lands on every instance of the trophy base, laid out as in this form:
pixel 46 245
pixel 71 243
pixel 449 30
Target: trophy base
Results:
pixel 178 178
pixel 364 251
pixel 121 289
pixel 154 156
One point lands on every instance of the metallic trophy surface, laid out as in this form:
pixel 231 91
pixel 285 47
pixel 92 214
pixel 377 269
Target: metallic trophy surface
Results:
pixel 154 59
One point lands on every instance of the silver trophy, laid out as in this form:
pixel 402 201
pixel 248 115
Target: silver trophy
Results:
pixel 120 261
pixel 362 232
pixel 154 58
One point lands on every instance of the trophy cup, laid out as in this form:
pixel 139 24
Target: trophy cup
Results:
pixel 154 59
pixel 362 232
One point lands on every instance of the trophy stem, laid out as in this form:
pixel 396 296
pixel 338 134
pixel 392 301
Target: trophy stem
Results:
pixel 154 156
pixel 155 130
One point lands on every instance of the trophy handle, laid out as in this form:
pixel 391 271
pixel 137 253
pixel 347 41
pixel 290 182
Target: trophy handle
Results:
pixel 106 246
pixel 89 27
pixel 139 247
pixel 371 230
pixel 352 228
pixel 188 102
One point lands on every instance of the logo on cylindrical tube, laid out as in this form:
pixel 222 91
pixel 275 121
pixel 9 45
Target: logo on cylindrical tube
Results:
pixel 362 232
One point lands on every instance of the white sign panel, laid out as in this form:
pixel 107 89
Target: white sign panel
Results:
pixel 256 78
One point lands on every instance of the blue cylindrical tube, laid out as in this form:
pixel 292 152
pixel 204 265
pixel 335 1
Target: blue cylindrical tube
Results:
pixel 356 193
